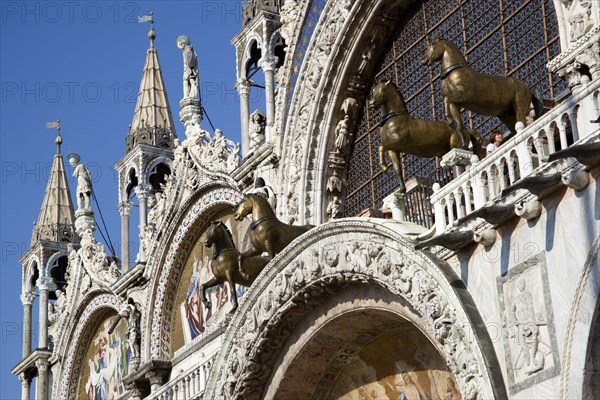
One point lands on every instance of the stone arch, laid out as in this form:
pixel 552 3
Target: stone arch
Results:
pixel 358 253
pixel 322 87
pixel 30 275
pixel 99 305
pixel 166 270
pixel 580 326
pixel 253 39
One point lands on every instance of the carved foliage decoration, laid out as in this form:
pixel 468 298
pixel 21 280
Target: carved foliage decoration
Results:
pixel 297 282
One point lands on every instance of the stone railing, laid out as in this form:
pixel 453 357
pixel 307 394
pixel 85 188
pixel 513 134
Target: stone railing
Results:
pixel 518 158
pixel 189 385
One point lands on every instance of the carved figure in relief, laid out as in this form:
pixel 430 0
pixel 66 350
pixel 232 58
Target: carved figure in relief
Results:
pixel 84 182
pixel 262 189
pixel 531 358
pixel 225 264
pixel 267 233
pixel 507 98
pixel 401 133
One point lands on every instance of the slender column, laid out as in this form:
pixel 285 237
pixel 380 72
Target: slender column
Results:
pixel 562 131
pixel 44 287
pixel 243 87
pixel 25 386
pixel 268 66
pixel 41 389
pixel 141 191
pixel 125 212
pixel 27 300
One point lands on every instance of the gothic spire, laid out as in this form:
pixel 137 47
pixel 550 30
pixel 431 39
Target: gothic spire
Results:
pixel 152 120
pixel 56 220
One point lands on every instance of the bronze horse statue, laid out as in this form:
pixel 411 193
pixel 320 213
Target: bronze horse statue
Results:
pixel 507 98
pixel 225 265
pixel 401 133
pixel 267 233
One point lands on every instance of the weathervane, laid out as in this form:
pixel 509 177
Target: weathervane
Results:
pixel 52 125
pixel 149 18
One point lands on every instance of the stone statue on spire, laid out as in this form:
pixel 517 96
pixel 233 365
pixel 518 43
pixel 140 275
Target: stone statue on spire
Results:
pixel 84 182
pixel 190 67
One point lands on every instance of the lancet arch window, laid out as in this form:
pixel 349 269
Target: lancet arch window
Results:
pixel 499 37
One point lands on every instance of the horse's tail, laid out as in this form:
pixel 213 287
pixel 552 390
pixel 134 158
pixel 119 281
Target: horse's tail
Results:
pixel 538 102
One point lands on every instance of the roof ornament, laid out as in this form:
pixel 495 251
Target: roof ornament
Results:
pixel 151 33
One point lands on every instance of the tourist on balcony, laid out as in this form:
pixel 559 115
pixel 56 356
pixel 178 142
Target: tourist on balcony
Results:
pixel 496 138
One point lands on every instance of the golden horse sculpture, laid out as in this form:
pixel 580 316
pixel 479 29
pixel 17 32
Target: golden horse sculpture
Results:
pixel 225 263
pixel 401 133
pixel 462 87
pixel 267 233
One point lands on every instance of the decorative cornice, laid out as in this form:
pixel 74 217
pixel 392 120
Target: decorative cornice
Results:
pixel 574 49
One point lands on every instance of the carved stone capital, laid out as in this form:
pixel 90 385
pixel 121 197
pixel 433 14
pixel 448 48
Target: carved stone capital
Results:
pixel 27 298
pixel 45 283
pixel 42 365
pixel 243 87
pixel 268 63
pixel 124 208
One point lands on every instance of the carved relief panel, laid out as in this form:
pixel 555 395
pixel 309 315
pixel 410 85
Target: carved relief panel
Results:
pixel 529 338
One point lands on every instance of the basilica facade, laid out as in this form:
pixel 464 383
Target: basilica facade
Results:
pixel 480 280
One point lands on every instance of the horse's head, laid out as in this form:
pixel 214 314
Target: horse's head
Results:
pixel 381 93
pixel 213 233
pixel 243 209
pixel 435 52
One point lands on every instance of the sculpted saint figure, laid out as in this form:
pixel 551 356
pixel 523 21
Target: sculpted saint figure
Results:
pixel 190 67
pixel 84 182
pixel 342 131
pixel 257 129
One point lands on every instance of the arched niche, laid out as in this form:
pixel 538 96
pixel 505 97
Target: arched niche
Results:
pixel 167 267
pixel 357 260
pixel 99 310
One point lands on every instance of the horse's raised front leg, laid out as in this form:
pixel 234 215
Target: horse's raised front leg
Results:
pixel 458 124
pixel 213 282
pixel 398 168
pixel 382 165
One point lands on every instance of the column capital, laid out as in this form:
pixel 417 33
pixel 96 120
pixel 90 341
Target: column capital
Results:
pixel 42 365
pixel 27 298
pixel 141 191
pixel 25 378
pixel 124 208
pixel 155 377
pixel 243 86
pixel 268 63
pixel 44 283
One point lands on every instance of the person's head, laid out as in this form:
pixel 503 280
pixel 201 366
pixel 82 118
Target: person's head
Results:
pixel 496 137
pixel 182 41
pixel 406 377
pixel 521 285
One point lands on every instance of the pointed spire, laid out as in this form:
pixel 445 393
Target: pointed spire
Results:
pixel 152 120
pixel 57 216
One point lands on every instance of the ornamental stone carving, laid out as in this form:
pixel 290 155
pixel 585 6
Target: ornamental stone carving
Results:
pixel 294 283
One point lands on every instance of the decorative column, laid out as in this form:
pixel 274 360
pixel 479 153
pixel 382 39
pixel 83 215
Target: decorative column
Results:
pixel 156 381
pixel 268 66
pixel 25 386
pixel 44 287
pixel 125 212
pixel 41 388
pixel 27 300
pixel 141 191
pixel 243 87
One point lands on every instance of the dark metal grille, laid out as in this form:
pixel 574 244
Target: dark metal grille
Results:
pixel 499 37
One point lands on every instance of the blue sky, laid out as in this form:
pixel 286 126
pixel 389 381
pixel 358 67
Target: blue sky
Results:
pixel 82 62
